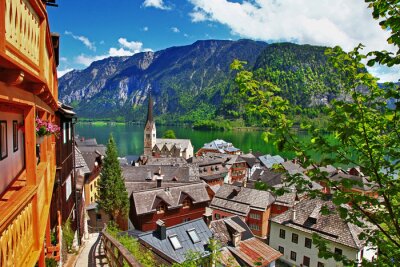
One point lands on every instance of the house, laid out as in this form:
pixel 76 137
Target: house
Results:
pixel 93 154
pixel 218 146
pixel 156 147
pixel 211 170
pixel 253 206
pixel 63 203
pixel 291 234
pixel 235 166
pixel 171 244
pixel 28 90
pixel 172 203
pixel 253 163
pixel 360 183
pixel 239 244
pixel 269 161
pixel 267 176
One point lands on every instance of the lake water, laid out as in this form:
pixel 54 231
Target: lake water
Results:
pixel 129 138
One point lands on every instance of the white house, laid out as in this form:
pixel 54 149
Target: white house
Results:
pixel 291 234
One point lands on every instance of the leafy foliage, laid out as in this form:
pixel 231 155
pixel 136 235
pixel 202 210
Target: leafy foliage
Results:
pixel 68 235
pixel 363 125
pixel 113 197
pixel 170 134
pixel 144 256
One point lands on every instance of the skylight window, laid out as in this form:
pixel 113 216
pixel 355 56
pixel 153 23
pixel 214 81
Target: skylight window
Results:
pixel 193 235
pixel 175 241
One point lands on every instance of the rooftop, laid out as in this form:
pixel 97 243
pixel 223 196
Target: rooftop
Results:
pixel 180 239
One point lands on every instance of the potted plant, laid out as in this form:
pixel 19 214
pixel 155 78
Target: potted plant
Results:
pixel 45 128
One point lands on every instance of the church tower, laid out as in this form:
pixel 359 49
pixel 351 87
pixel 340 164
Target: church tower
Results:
pixel 149 130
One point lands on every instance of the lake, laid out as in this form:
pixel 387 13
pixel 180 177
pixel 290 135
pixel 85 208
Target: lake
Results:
pixel 129 138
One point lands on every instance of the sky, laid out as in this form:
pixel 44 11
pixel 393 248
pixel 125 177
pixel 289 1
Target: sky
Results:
pixel 93 30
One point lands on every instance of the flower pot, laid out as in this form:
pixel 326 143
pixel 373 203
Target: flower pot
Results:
pixel 39 139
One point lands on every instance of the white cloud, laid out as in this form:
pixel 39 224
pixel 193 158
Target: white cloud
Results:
pixel 63 59
pixel 127 48
pixel 61 73
pixel 83 39
pixel 319 22
pixel 385 74
pixel 175 29
pixel 145 29
pixel 156 4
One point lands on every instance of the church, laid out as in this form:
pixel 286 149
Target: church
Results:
pixel 157 147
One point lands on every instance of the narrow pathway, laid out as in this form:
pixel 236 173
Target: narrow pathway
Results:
pixel 92 254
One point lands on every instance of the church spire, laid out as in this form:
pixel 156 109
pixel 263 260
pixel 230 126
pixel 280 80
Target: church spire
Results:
pixel 150 109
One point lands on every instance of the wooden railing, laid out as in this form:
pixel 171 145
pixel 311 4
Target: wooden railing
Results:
pixel 26 46
pixel 24 218
pixel 116 254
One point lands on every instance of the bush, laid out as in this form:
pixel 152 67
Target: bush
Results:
pixel 68 235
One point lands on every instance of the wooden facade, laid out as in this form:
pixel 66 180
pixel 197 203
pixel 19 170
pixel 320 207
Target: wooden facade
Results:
pixel 28 89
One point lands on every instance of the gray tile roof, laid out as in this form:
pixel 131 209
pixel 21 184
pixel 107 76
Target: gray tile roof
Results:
pixel 330 227
pixel 80 163
pixel 181 231
pixel 361 182
pixel 268 160
pixel 250 249
pixel 145 201
pixel 166 161
pixel 183 144
pixel 267 176
pixel 239 200
pixel 145 172
pixel 292 168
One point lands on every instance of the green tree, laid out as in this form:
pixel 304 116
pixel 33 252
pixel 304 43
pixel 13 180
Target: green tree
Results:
pixel 170 134
pixel 366 134
pixel 113 197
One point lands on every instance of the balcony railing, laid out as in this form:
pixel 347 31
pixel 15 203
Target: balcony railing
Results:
pixel 26 48
pixel 24 210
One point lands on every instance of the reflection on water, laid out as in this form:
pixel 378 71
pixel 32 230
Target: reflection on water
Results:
pixel 129 138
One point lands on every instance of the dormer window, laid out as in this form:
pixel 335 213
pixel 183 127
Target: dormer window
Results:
pixel 193 235
pixel 186 203
pixel 175 241
pixel 161 208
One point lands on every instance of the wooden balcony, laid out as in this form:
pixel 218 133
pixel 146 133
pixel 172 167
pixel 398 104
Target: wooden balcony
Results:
pixel 27 56
pixel 28 87
pixel 25 211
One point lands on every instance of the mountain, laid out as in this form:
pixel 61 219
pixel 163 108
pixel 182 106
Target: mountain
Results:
pixel 178 77
pixel 194 82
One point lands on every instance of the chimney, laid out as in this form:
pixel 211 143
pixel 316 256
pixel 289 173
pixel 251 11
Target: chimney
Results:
pixel 159 181
pixel 161 229
pixel 236 238
pixel 293 214
pixel 207 218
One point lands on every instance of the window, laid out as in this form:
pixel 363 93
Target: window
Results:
pixel 320 264
pixel 175 241
pixel 255 216
pixel 217 216
pixel 307 242
pixel 69 131
pixel 293 255
pixel 193 235
pixel 98 217
pixel 338 251
pixel 281 249
pixel 306 261
pixel 3 140
pixel 282 233
pixel 254 227
pixel 15 136
pixel 186 203
pixel 64 133
pixel 186 220
pixel 161 208
pixel 295 238
pixel 91 187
